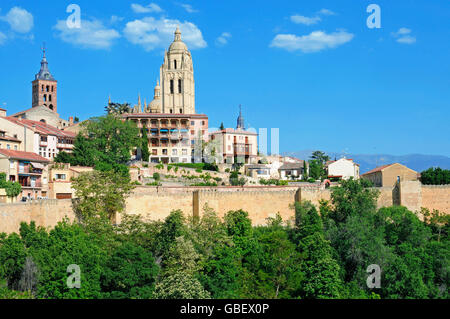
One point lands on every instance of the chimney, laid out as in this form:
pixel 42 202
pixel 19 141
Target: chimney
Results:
pixel 71 121
pixel 2 112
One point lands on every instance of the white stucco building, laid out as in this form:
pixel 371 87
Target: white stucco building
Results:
pixel 342 169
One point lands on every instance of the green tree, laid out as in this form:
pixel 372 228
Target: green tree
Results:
pixel 322 273
pixel 144 146
pixel 435 176
pixel 179 279
pixel 12 189
pixel 100 195
pixel 130 273
pixel 117 108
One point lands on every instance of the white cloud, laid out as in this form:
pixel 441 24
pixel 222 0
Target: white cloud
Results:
pixel 327 12
pixel 305 20
pixel 223 39
pixel 314 42
pixel 20 20
pixel 153 33
pixel 152 7
pixel 92 34
pixel 407 40
pixel 188 8
pixel 403 36
pixel 401 31
pixel 115 19
pixel 2 38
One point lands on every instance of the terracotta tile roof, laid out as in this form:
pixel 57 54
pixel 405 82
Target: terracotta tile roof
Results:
pixel 11 139
pixel 41 128
pixel 378 169
pixel 27 156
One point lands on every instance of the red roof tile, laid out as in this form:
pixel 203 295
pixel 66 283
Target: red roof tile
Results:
pixel 28 156
pixel 378 169
pixel 41 128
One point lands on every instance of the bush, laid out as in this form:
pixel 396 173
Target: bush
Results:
pixel 311 180
pixel 156 176
pixel 154 184
pixel 238 181
pixel 198 170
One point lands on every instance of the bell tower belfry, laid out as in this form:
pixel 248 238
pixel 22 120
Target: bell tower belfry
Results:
pixel 177 79
pixel 45 87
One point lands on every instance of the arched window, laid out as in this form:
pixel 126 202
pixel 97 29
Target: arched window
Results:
pixel 171 111
pixel 43 121
pixel 181 110
pixel 42 88
pixel 51 107
pixel 48 88
pixel 171 87
pixel 45 97
pixel 52 88
pixel 180 86
pixel 50 97
pixel 175 64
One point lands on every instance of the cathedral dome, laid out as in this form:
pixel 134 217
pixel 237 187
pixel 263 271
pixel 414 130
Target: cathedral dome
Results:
pixel 178 44
pixel 155 106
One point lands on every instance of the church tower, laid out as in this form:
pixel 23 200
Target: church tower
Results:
pixel 177 79
pixel 45 87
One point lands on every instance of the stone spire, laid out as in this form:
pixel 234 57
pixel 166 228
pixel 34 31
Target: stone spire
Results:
pixel 240 120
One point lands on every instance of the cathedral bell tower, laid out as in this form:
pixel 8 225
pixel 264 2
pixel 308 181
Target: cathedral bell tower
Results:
pixel 177 79
pixel 45 87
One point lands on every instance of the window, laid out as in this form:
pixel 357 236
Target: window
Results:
pixel 8 146
pixel 203 122
pixel 42 88
pixel 48 88
pixel 180 86
pixel 171 87
pixel 45 97
pixel 61 177
pixel 175 64
pixel 184 151
pixel 50 97
pixel 174 152
pixel 192 123
pixel 11 164
pixel 154 152
pixel 192 132
pixel 52 88
pixel 181 110
pixel 164 151
pixel 15 147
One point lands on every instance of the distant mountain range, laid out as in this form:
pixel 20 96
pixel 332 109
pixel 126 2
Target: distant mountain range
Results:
pixel 417 162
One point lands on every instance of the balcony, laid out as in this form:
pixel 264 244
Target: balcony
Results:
pixel 242 149
pixel 29 170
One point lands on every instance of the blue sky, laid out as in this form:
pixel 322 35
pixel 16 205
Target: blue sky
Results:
pixel 313 69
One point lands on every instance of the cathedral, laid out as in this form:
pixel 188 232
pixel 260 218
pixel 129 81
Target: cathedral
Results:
pixel 174 93
pixel 170 120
